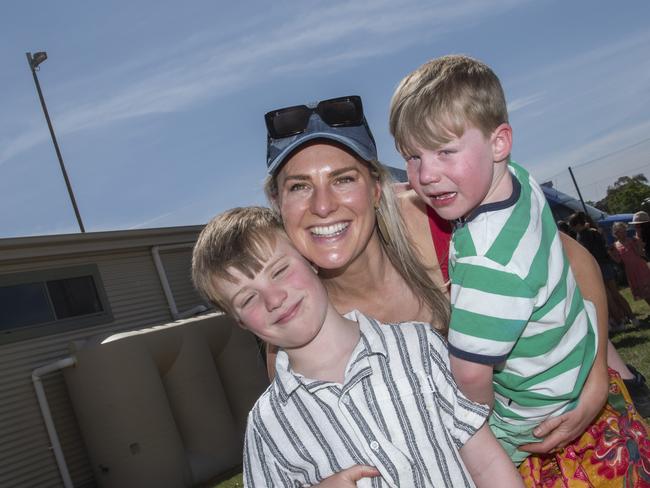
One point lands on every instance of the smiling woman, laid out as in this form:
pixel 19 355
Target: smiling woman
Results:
pixel 384 255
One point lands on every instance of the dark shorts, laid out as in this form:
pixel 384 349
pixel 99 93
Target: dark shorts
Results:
pixel 608 270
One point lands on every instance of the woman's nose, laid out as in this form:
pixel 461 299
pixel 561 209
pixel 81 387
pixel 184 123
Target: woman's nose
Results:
pixel 322 202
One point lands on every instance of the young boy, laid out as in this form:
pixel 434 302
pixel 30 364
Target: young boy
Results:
pixel 347 391
pixel 521 337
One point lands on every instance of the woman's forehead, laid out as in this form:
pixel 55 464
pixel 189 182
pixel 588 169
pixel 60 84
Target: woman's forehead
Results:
pixel 318 158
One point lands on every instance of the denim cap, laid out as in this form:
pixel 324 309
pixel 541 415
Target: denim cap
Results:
pixel 357 138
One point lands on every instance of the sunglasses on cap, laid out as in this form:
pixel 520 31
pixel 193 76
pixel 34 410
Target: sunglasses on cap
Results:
pixel 335 112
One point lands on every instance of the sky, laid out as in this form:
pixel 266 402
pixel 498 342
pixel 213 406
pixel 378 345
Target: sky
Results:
pixel 158 105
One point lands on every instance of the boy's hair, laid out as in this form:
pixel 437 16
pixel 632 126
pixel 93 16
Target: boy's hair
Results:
pixel 241 238
pixel 438 101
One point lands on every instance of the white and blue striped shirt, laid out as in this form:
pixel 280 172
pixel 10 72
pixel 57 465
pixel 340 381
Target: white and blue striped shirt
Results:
pixel 398 409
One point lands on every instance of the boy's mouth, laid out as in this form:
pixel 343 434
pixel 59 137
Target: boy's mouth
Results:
pixel 442 197
pixel 289 313
pixel 332 230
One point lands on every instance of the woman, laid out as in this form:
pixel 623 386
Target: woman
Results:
pixel 629 251
pixel 338 209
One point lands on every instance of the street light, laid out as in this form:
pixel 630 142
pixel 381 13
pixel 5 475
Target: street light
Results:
pixel 34 61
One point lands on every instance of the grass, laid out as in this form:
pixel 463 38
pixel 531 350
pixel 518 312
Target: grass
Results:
pixel 234 482
pixel 633 344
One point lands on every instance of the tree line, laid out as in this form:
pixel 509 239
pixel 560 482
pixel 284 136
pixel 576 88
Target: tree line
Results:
pixel 628 194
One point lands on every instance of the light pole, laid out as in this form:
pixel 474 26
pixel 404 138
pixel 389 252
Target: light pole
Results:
pixel 34 61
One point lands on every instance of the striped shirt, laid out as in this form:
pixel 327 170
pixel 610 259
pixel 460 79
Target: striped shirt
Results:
pixel 398 410
pixel 515 305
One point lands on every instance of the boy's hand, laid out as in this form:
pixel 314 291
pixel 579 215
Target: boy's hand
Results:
pixel 348 477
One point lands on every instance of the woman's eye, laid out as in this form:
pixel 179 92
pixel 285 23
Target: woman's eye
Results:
pixel 297 187
pixel 345 179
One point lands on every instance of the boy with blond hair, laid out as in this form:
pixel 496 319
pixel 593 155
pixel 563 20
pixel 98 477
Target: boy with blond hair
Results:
pixel 521 336
pixel 347 390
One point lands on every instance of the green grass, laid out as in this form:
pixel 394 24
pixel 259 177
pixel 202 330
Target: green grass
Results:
pixel 633 344
pixel 234 482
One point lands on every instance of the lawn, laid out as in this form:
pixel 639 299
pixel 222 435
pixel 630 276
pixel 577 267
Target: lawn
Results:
pixel 633 344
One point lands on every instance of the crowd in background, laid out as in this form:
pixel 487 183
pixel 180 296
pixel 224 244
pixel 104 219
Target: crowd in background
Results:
pixel 625 261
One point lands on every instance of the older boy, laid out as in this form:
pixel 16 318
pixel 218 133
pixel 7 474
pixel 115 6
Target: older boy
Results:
pixel 347 390
pixel 521 337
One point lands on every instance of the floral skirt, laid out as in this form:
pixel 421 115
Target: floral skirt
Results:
pixel 613 452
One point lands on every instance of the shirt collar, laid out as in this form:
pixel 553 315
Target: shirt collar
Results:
pixel 371 342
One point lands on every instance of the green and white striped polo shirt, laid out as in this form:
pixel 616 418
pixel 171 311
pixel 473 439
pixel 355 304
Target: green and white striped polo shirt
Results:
pixel 515 305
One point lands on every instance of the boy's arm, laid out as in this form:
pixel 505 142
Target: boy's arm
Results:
pixel 488 463
pixel 473 379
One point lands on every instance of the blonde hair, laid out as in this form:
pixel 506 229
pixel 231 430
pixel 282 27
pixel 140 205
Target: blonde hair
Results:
pixel 438 101
pixel 395 242
pixel 241 238
pixel 619 226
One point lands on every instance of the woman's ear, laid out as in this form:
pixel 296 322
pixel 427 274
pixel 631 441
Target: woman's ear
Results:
pixel 501 142
pixel 377 193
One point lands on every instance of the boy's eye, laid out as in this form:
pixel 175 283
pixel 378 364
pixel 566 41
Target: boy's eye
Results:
pixel 246 300
pixel 412 159
pixel 279 271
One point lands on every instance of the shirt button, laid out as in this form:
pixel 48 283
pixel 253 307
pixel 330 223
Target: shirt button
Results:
pixel 374 445
pixel 346 400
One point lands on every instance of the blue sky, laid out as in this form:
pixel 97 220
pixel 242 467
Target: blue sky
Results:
pixel 158 106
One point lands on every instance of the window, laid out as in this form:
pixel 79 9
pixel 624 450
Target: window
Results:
pixel 51 301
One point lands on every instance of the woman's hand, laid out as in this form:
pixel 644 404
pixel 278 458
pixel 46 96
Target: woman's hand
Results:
pixel 557 432
pixel 348 477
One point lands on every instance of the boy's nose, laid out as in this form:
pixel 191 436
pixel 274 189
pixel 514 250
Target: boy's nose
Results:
pixel 322 202
pixel 429 172
pixel 274 297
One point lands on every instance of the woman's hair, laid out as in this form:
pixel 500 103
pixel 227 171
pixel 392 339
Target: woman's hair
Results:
pixel 395 242
pixel 618 226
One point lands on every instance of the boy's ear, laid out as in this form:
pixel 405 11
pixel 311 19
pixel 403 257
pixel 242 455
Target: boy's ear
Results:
pixel 501 142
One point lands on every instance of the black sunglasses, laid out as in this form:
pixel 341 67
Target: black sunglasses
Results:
pixel 335 112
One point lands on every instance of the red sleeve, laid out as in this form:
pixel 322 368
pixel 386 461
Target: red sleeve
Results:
pixel 441 234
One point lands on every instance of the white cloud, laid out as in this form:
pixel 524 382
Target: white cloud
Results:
pixel 519 103
pixel 206 66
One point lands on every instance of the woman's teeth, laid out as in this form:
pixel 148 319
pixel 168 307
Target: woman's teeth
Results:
pixel 329 230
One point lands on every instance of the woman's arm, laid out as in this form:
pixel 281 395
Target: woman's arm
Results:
pixel 559 431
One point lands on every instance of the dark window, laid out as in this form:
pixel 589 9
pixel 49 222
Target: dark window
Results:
pixel 74 296
pixel 50 301
pixel 22 305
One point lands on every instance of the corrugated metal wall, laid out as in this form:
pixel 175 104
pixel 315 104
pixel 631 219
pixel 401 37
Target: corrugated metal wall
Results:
pixel 178 267
pixel 137 300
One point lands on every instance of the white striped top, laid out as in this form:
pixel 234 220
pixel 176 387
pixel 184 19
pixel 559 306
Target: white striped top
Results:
pixel 398 409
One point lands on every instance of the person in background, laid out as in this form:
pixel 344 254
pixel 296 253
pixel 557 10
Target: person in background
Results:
pixel 629 251
pixel 619 309
pixel 641 223
pixel 562 226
